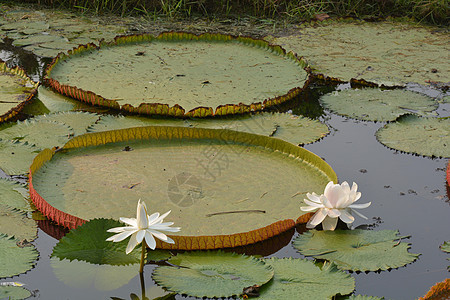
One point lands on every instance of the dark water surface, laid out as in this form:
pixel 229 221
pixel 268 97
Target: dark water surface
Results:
pixel 408 193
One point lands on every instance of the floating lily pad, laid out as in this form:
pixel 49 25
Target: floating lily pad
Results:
pixel 390 53
pixel 302 279
pixel 445 247
pixel 167 74
pixel 83 275
pixel 41 134
pixel 55 102
pixel 212 274
pixel 412 134
pixel 14 195
pixel 110 122
pixel 16 223
pixel 356 250
pixel 16 157
pixel 23 261
pixel 288 127
pixel 377 105
pixel 16 90
pixel 193 172
pixel 37 39
pixel 77 121
pixel 14 292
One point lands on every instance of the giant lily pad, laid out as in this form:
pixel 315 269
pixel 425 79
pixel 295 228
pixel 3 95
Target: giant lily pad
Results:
pixel 377 105
pixel 16 157
pixel 179 74
pixel 23 257
pixel 77 121
pixel 41 134
pixel 385 52
pixel 16 223
pixel 14 195
pixel 212 274
pixel 16 90
pixel 412 134
pixel 301 279
pixel 356 250
pixel 197 173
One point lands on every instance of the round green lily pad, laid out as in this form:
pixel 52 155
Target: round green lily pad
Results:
pixel 356 250
pixel 196 173
pixel 303 280
pixel 16 90
pixel 377 105
pixel 42 134
pixel 16 223
pixel 109 122
pixel 14 195
pixel 23 261
pixel 77 121
pixel 390 53
pixel 212 274
pixel 413 134
pixel 445 247
pixel 14 292
pixel 180 74
pixel 16 157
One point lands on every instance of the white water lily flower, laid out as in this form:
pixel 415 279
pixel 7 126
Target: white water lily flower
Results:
pixel 336 202
pixel 144 226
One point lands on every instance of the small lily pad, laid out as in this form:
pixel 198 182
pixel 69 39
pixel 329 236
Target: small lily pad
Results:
pixel 84 275
pixel 16 157
pixel 42 134
pixel 14 292
pixel 303 280
pixel 212 274
pixel 356 250
pixel 413 134
pixel 14 195
pixel 88 243
pixel 16 223
pixel 445 247
pixel 23 261
pixel 78 121
pixel 377 105
pixel 110 122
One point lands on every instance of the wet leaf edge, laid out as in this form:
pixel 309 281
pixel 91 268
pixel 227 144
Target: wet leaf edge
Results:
pixel 22 74
pixel 176 110
pixel 167 132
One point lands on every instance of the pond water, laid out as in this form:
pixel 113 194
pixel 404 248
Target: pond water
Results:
pixel 408 193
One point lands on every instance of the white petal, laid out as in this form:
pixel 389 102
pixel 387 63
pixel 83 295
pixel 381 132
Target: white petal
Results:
pixel 170 241
pixel 153 217
pixel 311 203
pixel 359 206
pixel 150 240
pixel 140 236
pixel 158 235
pixel 329 223
pixel 346 187
pixel 142 218
pixel 129 221
pixel 318 217
pixel 354 187
pixel 359 214
pixel 334 213
pixel 161 218
pixel 313 197
pixel 119 229
pixel 165 228
pixel 346 216
pixel 326 202
pixel 131 243
pixel 121 236
pixel 308 208
pixel 357 196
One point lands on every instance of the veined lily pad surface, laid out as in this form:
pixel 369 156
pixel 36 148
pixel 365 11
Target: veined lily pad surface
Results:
pixel 378 105
pixel 180 74
pixel 14 292
pixel 23 257
pixel 388 53
pixel 413 134
pixel 16 89
pixel 196 173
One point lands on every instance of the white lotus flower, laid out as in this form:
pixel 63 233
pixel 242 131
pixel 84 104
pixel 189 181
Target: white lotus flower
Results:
pixel 336 202
pixel 144 226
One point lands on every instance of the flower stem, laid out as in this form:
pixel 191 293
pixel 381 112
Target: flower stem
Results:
pixel 144 249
